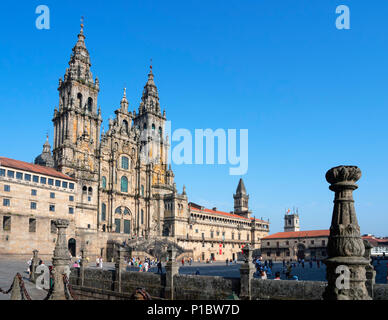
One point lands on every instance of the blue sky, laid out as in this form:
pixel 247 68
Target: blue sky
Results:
pixel 311 96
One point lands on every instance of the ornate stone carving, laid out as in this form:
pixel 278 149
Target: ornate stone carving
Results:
pixel 345 246
pixel 61 260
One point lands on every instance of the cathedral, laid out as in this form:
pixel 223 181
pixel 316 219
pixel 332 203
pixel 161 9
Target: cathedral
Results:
pixel 113 186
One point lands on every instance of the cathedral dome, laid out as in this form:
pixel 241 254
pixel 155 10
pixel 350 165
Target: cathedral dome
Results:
pixel 45 158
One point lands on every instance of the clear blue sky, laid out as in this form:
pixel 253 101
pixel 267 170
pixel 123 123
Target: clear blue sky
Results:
pixel 311 96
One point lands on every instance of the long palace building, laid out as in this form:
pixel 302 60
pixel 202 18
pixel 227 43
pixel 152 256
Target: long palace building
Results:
pixel 111 186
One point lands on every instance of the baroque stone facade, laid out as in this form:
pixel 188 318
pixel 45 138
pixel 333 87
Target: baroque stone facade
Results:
pixel 123 185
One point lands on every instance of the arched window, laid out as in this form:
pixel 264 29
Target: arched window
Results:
pixel 118 210
pixel 145 126
pixel 79 98
pixel 142 190
pixel 142 217
pixel 126 211
pixel 160 131
pixel 104 183
pixel 84 189
pixel 125 163
pixel 103 212
pixel 90 104
pixel 90 191
pixel 124 184
pixel 125 125
pixel 153 126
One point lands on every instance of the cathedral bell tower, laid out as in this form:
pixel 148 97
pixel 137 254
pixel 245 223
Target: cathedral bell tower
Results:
pixel 150 122
pixel 77 121
pixel 241 201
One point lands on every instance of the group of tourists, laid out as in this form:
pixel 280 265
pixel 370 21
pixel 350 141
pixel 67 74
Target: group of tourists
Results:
pixel 146 265
pixel 263 269
pixel 230 261
pixel 301 262
pixel 188 260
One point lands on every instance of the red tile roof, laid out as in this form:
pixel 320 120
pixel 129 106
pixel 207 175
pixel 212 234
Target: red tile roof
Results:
pixel 299 234
pixel 21 165
pixel 376 242
pixel 205 210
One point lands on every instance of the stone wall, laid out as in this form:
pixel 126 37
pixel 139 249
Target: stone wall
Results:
pixel 287 290
pixel 191 287
pixel 102 285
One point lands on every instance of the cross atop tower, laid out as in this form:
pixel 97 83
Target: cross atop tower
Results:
pixel 82 24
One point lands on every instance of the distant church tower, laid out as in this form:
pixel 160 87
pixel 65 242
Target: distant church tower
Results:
pixel 241 201
pixel 77 121
pixel 291 222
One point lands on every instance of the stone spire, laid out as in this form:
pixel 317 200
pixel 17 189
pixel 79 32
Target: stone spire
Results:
pixel 241 200
pixel 45 158
pixel 241 188
pixel 79 64
pixel 150 98
pixel 124 102
pixel 345 246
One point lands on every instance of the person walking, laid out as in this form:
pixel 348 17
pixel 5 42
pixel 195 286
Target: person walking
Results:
pixel 288 271
pixel 29 266
pixel 277 275
pixel 160 267
pixel 311 263
pixel 100 262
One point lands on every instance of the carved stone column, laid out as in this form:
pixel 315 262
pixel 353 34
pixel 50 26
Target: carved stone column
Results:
pixel 120 266
pixel 370 271
pixel 345 247
pixel 246 274
pixel 60 260
pixel 34 265
pixel 83 263
pixel 172 269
